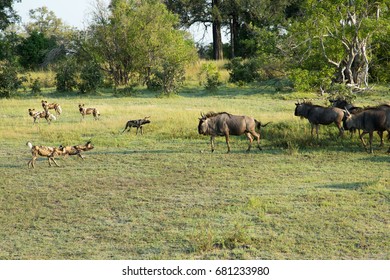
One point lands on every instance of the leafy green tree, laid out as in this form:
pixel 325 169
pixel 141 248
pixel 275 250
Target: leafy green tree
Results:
pixel 9 81
pixel 206 12
pixel 134 39
pixel 66 75
pixel 33 49
pixel 7 13
pixel 44 21
pixel 339 33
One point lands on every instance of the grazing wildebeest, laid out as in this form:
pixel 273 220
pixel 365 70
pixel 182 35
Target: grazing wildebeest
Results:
pixel 225 124
pixel 369 120
pixel 320 115
pixel 137 123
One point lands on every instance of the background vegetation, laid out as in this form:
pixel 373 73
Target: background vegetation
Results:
pixel 164 195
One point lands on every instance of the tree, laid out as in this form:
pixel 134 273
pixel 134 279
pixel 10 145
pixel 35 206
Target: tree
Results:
pixel 206 12
pixel 7 13
pixel 44 21
pixel 133 38
pixel 33 49
pixel 341 31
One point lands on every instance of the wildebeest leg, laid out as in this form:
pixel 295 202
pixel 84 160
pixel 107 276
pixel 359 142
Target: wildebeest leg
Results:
pixel 341 130
pixel 212 143
pixel 380 133
pixel 371 136
pixel 257 136
pixel 361 139
pixel 227 142
pixel 249 136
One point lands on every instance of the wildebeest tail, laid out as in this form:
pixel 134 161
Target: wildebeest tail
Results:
pixel 259 125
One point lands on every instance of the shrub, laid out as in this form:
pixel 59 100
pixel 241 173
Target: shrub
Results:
pixel 36 86
pixel 168 78
pixel 244 71
pixel 91 78
pixel 66 75
pixel 209 76
pixel 9 81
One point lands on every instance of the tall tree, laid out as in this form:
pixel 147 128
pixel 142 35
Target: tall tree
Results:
pixel 206 12
pixel 134 37
pixel 7 13
pixel 342 31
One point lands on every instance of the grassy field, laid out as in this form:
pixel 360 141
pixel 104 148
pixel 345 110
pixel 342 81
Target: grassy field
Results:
pixel 164 195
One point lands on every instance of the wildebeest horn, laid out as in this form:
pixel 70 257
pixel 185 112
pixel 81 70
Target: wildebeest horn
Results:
pixel 346 110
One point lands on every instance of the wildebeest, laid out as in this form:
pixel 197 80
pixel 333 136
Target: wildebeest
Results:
pixel 76 150
pixel 137 123
pixel 345 105
pixel 320 115
pixel 369 120
pixel 225 124
pixel 87 111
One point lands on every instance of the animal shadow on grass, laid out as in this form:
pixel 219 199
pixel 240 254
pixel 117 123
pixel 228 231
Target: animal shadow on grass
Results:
pixel 344 186
pixel 377 158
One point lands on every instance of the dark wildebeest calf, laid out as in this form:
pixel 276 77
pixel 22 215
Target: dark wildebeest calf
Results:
pixel 320 115
pixel 225 124
pixel 136 123
pixel 369 120
pixel 345 105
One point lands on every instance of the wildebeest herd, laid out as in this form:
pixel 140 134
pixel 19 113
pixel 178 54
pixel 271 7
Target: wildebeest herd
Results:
pixel 343 114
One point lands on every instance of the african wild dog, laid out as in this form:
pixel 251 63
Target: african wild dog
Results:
pixel 88 111
pixel 137 123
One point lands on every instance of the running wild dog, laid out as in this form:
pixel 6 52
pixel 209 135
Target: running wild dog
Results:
pixel 88 111
pixel 36 115
pixel 137 123
pixel 43 151
pixel 76 150
pixel 46 106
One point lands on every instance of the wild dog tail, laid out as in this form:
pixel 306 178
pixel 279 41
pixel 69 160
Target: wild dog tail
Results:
pixel 29 145
pixel 127 125
pixel 52 117
pixel 59 110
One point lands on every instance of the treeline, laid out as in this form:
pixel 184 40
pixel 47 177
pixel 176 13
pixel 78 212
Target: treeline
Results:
pixel 309 43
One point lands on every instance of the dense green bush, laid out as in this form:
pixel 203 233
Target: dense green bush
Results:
pixel 244 70
pixel 168 78
pixel 66 75
pixel 210 77
pixel 36 86
pixel 91 78
pixel 9 81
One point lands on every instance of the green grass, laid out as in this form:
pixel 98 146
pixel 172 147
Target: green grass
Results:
pixel 164 195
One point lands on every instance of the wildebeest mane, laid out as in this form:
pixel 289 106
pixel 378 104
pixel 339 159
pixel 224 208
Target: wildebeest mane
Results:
pixel 213 114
